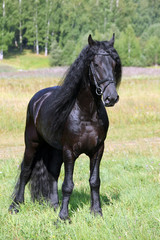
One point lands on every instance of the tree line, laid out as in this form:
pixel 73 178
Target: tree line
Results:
pixel 61 28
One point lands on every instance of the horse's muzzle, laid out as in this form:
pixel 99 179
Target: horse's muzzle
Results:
pixel 110 101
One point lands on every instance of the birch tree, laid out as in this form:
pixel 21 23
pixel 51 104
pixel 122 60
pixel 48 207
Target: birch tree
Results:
pixel 31 24
pixel 20 25
pixel 2 30
pixel 47 25
pixel 36 26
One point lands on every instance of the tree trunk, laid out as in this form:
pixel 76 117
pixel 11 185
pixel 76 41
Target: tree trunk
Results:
pixel 1 54
pixel 111 5
pixel 1 51
pixel 47 37
pixel 20 25
pixel 156 60
pixel 47 30
pixel 105 21
pixel 36 26
pixel 129 50
pixel 4 8
pixel 117 3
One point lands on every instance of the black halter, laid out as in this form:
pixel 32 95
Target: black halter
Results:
pixel 97 84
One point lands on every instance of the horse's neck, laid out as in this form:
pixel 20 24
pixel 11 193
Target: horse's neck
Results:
pixel 87 100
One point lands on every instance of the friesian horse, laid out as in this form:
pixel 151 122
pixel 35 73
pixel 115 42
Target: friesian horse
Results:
pixel 68 120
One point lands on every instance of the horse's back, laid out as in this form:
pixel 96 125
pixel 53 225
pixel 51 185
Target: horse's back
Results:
pixel 38 99
pixel 43 93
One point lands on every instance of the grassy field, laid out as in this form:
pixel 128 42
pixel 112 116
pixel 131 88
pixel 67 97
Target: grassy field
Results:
pixel 130 168
pixel 26 60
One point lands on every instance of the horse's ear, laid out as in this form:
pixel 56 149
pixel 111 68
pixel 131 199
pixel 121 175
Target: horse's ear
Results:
pixel 91 42
pixel 111 42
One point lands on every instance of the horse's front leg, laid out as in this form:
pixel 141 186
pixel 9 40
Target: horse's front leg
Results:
pixel 68 184
pixel 95 181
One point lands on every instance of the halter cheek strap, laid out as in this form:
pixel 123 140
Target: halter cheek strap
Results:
pixel 97 84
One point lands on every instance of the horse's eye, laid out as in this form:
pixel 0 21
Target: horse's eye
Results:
pixel 96 65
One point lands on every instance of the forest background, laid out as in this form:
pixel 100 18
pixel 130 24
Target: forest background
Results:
pixel 61 28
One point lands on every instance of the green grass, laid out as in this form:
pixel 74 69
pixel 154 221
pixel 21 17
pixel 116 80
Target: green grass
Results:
pixel 130 170
pixel 26 61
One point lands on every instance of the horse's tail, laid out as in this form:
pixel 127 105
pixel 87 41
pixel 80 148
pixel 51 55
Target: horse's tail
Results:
pixel 40 181
pixel 44 173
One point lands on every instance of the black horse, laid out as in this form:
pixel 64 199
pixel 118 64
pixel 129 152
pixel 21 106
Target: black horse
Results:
pixel 65 121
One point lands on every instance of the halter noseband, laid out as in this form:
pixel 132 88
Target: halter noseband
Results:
pixel 97 84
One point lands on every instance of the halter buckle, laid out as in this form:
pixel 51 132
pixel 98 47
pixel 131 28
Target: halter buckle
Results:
pixel 99 91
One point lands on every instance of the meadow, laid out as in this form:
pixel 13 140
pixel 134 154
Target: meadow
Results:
pixel 130 167
pixel 27 60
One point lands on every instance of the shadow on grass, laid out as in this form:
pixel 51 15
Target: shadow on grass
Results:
pixel 14 53
pixel 80 198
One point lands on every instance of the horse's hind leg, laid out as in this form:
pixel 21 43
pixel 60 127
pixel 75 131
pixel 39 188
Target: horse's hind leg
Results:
pixel 31 142
pixel 54 166
pixel 95 181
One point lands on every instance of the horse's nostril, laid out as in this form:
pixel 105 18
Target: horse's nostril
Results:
pixel 117 98
pixel 113 99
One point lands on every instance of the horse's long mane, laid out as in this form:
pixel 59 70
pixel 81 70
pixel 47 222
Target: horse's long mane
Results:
pixel 75 77
pixel 69 89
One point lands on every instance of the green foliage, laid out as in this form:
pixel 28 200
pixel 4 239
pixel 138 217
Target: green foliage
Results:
pixel 6 26
pixel 35 24
pixel 142 17
pixel 129 47
pixel 152 51
pixel 152 31
pixel 67 54
pixel 6 40
pixel 55 55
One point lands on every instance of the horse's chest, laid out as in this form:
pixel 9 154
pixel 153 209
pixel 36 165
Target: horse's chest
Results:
pixel 84 134
pixel 92 134
pixel 90 130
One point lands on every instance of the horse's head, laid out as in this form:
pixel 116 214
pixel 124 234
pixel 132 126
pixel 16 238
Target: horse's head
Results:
pixel 102 69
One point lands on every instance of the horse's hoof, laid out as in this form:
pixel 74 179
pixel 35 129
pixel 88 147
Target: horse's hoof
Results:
pixel 97 212
pixel 55 206
pixel 13 208
pixel 64 218
pixel 61 221
pixel 68 220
